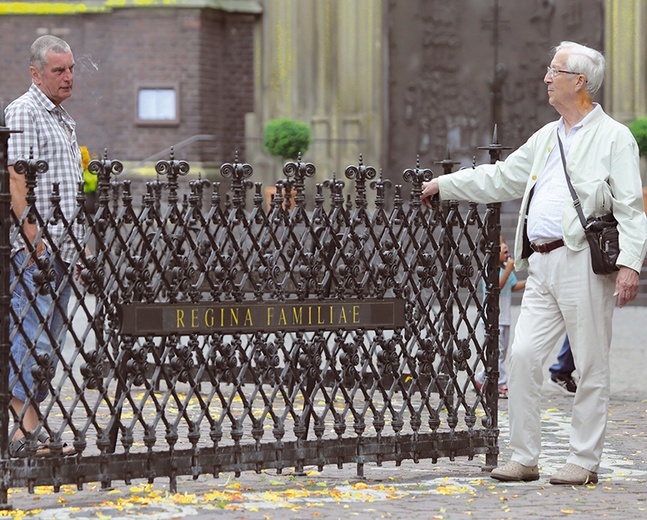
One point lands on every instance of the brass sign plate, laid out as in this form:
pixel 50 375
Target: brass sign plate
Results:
pixel 141 319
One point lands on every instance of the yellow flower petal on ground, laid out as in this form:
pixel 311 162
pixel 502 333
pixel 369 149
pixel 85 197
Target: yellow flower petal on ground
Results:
pixel 186 498
pixel 271 496
pixel 138 500
pixel 296 493
pixel 68 490
pixel 215 496
pixel 450 489
pixel 141 489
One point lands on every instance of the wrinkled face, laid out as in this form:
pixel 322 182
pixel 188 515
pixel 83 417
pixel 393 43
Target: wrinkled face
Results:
pixel 57 77
pixel 562 83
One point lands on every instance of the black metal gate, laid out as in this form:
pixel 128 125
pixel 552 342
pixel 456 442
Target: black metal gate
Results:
pixel 212 333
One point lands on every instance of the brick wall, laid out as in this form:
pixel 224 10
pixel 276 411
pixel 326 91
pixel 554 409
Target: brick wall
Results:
pixel 208 53
pixel 227 86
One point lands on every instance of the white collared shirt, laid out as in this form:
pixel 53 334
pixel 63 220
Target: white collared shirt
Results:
pixel 551 190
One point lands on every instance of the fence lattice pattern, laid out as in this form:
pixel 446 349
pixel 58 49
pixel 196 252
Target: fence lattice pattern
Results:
pixel 186 402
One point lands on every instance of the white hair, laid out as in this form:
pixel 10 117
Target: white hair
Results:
pixel 43 45
pixel 584 60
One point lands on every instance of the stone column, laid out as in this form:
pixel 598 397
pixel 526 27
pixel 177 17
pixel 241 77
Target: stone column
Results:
pixel 625 93
pixel 625 96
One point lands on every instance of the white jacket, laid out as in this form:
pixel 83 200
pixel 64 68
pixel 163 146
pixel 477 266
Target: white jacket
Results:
pixel 603 163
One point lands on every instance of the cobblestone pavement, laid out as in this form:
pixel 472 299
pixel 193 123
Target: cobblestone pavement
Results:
pixel 446 490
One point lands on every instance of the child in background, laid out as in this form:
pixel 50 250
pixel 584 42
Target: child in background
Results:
pixel 507 283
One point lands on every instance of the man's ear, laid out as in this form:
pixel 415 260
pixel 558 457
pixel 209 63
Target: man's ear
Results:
pixel 35 74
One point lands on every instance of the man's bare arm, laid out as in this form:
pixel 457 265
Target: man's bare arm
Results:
pixel 18 189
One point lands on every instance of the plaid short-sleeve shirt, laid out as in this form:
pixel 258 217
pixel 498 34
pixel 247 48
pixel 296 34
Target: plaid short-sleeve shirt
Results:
pixel 50 131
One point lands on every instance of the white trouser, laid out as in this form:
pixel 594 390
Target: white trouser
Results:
pixel 562 294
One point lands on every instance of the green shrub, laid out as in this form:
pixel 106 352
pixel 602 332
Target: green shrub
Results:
pixel 638 128
pixel 286 138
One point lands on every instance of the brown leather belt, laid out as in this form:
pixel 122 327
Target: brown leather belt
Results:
pixel 547 247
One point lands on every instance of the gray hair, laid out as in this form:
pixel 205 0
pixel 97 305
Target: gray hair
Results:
pixel 43 45
pixel 584 60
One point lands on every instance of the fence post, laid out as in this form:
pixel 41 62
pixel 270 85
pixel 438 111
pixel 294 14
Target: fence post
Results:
pixel 5 306
pixel 446 248
pixel 493 231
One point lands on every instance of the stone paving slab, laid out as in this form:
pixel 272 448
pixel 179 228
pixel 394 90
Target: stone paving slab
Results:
pixel 446 490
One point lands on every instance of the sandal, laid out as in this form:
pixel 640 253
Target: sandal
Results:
pixel 18 448
pixel 503 391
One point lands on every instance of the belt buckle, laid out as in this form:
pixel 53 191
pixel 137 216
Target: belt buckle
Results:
pixel 547 247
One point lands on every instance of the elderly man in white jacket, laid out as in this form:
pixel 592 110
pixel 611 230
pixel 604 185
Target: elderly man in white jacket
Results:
pixel 562 292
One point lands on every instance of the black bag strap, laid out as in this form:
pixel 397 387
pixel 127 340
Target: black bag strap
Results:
pixel 576 199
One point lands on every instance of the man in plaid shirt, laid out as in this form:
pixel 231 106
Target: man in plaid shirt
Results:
pixel 48 133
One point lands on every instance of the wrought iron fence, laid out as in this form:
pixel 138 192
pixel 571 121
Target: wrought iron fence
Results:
pixel 209 333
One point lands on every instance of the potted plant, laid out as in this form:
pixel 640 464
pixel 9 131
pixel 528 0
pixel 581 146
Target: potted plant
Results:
pixel 286 138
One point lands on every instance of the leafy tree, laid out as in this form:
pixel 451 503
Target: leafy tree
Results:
pixel 638 128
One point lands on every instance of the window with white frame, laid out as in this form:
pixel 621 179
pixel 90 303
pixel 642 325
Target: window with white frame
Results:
pixel 158 104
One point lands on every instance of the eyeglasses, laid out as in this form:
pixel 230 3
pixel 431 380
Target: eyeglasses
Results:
pixel 556 72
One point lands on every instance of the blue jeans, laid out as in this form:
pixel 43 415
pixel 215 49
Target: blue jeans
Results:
pixel 29 336
pixel 565 365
